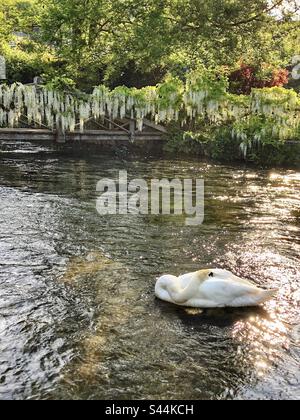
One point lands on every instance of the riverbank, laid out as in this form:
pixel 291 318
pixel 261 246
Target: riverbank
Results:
pixel 286 155
pixel 228 150
pixel 178 145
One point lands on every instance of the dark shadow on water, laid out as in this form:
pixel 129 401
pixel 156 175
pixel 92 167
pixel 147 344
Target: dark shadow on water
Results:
pixel 219 317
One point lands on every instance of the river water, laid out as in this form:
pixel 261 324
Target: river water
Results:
pixel 78 317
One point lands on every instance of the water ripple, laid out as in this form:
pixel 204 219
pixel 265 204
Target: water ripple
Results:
pixel 77 314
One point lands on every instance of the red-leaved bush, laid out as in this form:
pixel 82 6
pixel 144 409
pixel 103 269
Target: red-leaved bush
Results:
pixel 243 80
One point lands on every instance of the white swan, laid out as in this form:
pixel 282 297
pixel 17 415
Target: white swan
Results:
pixel 211 289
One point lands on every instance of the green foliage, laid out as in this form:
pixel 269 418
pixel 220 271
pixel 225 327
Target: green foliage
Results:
pixel 24 65
pixel 26 57
pixel 180 142
pixel 223 147
pixel 184 48
pixel 62 84
pixel 138 42
pixel 287 154
pixel 170 93
pixel 17 15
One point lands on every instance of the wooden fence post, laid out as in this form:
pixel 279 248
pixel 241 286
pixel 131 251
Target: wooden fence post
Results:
pixel 60 135
pixel 132 130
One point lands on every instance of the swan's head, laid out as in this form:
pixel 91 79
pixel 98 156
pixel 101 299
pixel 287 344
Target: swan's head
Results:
pixel 164 283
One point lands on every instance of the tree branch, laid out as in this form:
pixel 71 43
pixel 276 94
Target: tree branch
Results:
pixel 257 16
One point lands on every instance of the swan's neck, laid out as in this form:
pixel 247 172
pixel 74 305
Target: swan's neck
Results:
pixel 180 295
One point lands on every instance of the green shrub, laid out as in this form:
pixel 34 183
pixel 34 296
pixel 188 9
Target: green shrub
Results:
pixel 23 66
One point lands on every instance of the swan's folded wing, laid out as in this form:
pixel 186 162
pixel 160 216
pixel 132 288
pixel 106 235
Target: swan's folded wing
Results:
pixel 230 277
pixel 227 290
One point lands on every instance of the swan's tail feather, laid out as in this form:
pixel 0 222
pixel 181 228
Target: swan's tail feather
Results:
pixel 267 295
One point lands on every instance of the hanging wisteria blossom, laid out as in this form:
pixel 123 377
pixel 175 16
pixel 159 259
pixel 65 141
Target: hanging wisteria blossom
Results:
pixel 204 97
